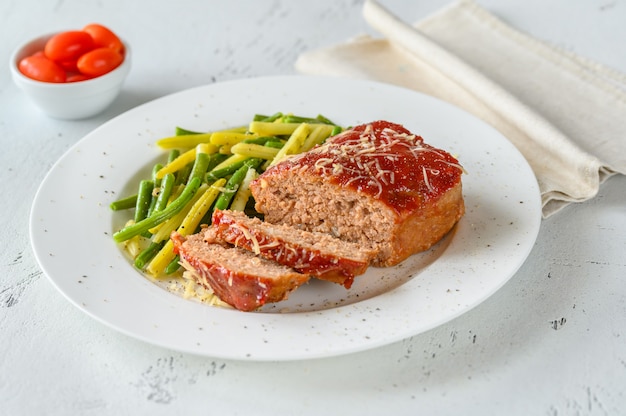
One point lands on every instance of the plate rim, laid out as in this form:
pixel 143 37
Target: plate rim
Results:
pixel 302 355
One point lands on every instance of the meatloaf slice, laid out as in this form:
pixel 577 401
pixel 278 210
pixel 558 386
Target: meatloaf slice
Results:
pixel 237 276
pixel 317 254
pixel 377 185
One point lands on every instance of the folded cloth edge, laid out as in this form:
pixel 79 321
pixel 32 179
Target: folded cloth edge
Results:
pixel 608 79
pixel 402 36
pixel 457 70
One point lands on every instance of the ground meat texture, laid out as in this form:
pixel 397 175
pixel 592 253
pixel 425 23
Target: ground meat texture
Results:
pixel 377 185
pixel 318 254
pixel 237 276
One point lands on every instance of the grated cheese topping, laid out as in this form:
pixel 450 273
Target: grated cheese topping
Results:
pixel 384 160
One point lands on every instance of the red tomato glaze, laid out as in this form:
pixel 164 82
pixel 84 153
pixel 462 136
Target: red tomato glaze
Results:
pixel 386 161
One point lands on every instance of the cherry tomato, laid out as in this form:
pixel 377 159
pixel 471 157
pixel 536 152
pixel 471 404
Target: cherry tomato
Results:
pixel 69 66
pixel 76 77
pixel 99 61
pixel 68 46
pixel 40 68
pixel 104 37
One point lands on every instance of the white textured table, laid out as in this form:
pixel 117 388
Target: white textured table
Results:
pixel 551 342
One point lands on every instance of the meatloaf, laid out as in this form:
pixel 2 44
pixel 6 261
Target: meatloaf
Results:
pixel 320 255
pixel 237 276
pixel 377 185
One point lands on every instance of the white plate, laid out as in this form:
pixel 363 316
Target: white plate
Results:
pixel 71 227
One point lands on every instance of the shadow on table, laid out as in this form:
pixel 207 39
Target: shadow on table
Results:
pixel 129 99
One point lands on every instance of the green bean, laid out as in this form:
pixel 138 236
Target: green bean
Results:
pixel 151 207
pixel 216 159
pixel 167 184
pixel 173 266
pixel 273 117
pixel 298 119
pixel 146 255
pixel 183 174
pixel 270 141
pixel 156 184
pixel 336 130
pixel 243 194
pixel 144 198
pixel 199 166
pixel 275 143
pixel 224 172
pixel 234 182
pixel 124 203
pixel 157 167
pixel 160 216
pixel 183 132
pixel 206 164
pixel 258 140
pixel 173 154
pixel 324 120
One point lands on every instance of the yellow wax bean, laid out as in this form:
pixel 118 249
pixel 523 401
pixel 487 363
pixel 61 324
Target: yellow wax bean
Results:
pixel 206 148
pixel 200 208
pixel 184 141
pixel 254 150
pixel 229 138
pixel 132 246
pixel 177 164
pixel 317 136
pixel 160 261
pixel 263 128
pixel 243 194
pixel 163 230
pixel 191 140
pixel 229 161
pixel 225 149
pixel 184 159
pixel 294 143
pixel 188 225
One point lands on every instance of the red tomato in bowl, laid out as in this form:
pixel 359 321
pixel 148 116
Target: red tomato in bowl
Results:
pixel 68 46
pixel 99 61
pixel 40 68
pixel 69 66
pixel 75 55
pixel 76 77
pixel 104 37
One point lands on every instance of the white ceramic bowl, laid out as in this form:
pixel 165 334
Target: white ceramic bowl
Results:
pixel 71 100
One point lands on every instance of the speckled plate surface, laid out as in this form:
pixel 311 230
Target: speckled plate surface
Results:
pixel 71 227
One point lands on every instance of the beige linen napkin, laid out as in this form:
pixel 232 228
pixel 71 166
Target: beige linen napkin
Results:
pixel 566 114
